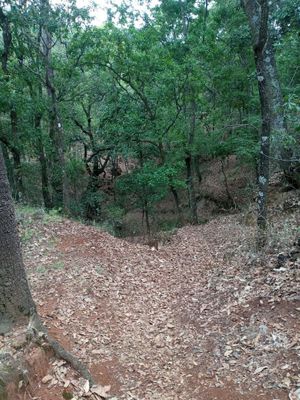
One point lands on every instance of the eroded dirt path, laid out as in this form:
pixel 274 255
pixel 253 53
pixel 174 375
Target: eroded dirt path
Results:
pixel 190 321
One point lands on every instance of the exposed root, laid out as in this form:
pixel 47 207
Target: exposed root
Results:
pixel 38 332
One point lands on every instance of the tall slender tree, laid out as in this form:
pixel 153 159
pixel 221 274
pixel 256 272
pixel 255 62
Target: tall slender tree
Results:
pixel 271 101
pixel 258 16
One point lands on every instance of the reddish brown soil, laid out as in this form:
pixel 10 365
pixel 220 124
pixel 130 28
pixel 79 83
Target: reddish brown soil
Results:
pixel 200 318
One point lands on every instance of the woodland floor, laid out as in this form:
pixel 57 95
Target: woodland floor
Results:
pixel 199 318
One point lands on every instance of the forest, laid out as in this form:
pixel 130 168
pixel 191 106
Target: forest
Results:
pixel 97 122
pixel 153 162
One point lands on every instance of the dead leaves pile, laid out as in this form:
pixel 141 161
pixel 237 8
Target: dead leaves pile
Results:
pixel 201 313
pixel 76 388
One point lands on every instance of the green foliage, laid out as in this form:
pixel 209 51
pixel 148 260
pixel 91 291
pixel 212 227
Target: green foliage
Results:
pixel 91 205
pixel 113 217
pixel 28 234
pixel 53 215
pixel 41 269
pixel 127 94
pixel 149 184
pixel 59 265
pixel 30 173
pixel 75 171
pixel 239 143
pixel 67 395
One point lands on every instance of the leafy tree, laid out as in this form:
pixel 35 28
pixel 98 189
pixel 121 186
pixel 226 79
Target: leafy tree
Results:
pixel 179 89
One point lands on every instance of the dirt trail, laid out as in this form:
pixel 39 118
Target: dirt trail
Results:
pixel 192 320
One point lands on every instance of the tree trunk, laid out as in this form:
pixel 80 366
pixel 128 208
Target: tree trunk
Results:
pixel 258 16
pixel 231 202
pixel 18 189
pixel 177 203
pixel 56 133
pixel 190 163
pixel 43 161
pixel 191 189
pixel 147 219
pixel 11 140
pixel 15 296
pixel 16 303
pixel 197 169
pixel 7 39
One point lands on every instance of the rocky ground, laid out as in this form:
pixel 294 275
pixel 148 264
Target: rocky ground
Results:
pixel 201 317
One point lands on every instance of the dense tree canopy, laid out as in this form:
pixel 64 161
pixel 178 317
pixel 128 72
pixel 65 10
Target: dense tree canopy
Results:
pixel 96 121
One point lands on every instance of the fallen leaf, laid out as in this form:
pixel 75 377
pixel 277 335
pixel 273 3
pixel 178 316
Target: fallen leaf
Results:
pixel 86 386
pixel 260 369
pixel 47 379
pixel 101 390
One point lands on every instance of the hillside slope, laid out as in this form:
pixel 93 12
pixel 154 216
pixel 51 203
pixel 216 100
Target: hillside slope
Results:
pixel 199 318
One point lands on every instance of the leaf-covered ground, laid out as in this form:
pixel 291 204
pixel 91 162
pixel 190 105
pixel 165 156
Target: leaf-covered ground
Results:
pixel 199 318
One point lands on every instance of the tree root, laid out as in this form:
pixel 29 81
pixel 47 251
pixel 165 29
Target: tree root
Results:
pixel 38 332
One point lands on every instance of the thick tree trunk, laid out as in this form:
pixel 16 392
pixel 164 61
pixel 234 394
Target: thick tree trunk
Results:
pixel 16 303
pixel 277 118
pixel 11 140
pixel 15 297
pixel 264 168
pixel 258 16
pixel 273 120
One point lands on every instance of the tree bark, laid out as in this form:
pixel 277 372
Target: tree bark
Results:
pixel 147 219
pixel 273 119
pixel 16 302
pixel 177 203
pixel 11 140
pixel 7 39
pixel 15 296
pixel 258 16
pixel 43 161
pixel 190 163
pixel 56 132
pixel 18 189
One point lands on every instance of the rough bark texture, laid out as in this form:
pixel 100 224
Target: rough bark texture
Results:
pixel 18 189
pixel 258 16
pixel 11 141
pixel 15 297
pixel 190 163
pixel 56 132
pixel 43 162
